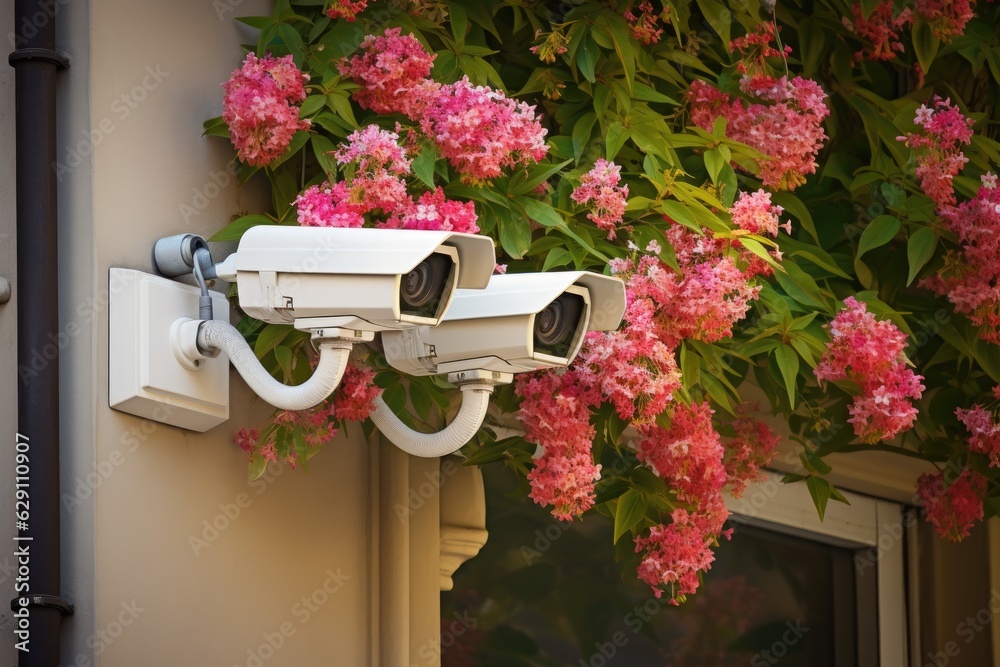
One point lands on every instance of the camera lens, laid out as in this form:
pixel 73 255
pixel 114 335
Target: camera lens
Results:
pixel 421 289
pixel 556 325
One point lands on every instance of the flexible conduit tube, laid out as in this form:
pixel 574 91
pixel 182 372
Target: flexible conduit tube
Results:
pixel 475 400
pixel 333 354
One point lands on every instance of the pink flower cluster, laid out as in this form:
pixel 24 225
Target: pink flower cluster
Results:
pixel 972 280
pixel 753 447
pixel 755 213
pixel 954 509
pixel 784 121
pixel 480 131
pixel 984 430
pixel 870 353
pixel 947 18
pixel 646 25
pixel 688 455
pixel 944 130
pixel 353 401
pixel 376 164
pixel 880 30
pixel 675 554
pixel 607 199
pixel 392 70
pixel 346 9
pixel 555 411
pixel 260 107
pixel 710 294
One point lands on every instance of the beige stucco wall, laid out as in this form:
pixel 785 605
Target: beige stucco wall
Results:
pixel 189 563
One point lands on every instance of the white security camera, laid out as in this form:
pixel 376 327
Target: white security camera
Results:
pixel 354 279
pixel 520 322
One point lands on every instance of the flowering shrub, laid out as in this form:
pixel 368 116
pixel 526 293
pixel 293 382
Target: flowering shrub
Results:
pixel 800 203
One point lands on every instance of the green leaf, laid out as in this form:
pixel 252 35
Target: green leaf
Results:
pixel 269 337
pixel 719 17
pixel 819 489
pixel 644 92
pixel 788 363
pixel 297 142
pixel 879 231
pixel 582 131
pixel 925 44
pixel 235 229
pixel 256 468
pixel 423 165
pixel 322 148
pixel 630 511
pixel 215 127
pixel 615 138
pixel 459 23
pixel 586 59
pixel 283 355
pixel 515 234
pixel 919 249
pixel 540 212
pixel 312 104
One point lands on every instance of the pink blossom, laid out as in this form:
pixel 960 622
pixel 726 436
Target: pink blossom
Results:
pixel 753 447
pixel 938 146
pixel 555 411
pixel 376 182
pixel 954 509
pixel 646 25
pixel 259 107
pixel 984 432
pixel 391 69
pixel 316 207
pixel 435 212
pixel 947 18
pixel 355 396
pixel 971 279
pixel 675 554
pixel 599 186
pixel 688 454
pixel 870 353
pixel 880 30
pixel 480 131
pixel 785 123
pixel 346 9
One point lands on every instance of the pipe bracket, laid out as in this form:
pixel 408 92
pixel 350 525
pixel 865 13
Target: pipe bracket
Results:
pixel 38 54
pixel 54 601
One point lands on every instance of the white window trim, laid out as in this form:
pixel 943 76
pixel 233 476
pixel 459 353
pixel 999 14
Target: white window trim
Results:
pixel 879 526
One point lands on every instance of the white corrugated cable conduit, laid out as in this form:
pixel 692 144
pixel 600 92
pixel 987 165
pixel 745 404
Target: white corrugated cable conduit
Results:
pixel 475 400
pixel 333 355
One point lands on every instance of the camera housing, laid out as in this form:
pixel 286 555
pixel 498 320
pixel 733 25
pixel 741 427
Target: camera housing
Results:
pixel 361 279
pixel 520 322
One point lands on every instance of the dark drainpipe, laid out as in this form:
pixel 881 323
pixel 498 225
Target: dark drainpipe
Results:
pixel 37 544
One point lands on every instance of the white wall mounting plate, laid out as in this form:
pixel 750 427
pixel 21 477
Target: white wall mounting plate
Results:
pixel 145 379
